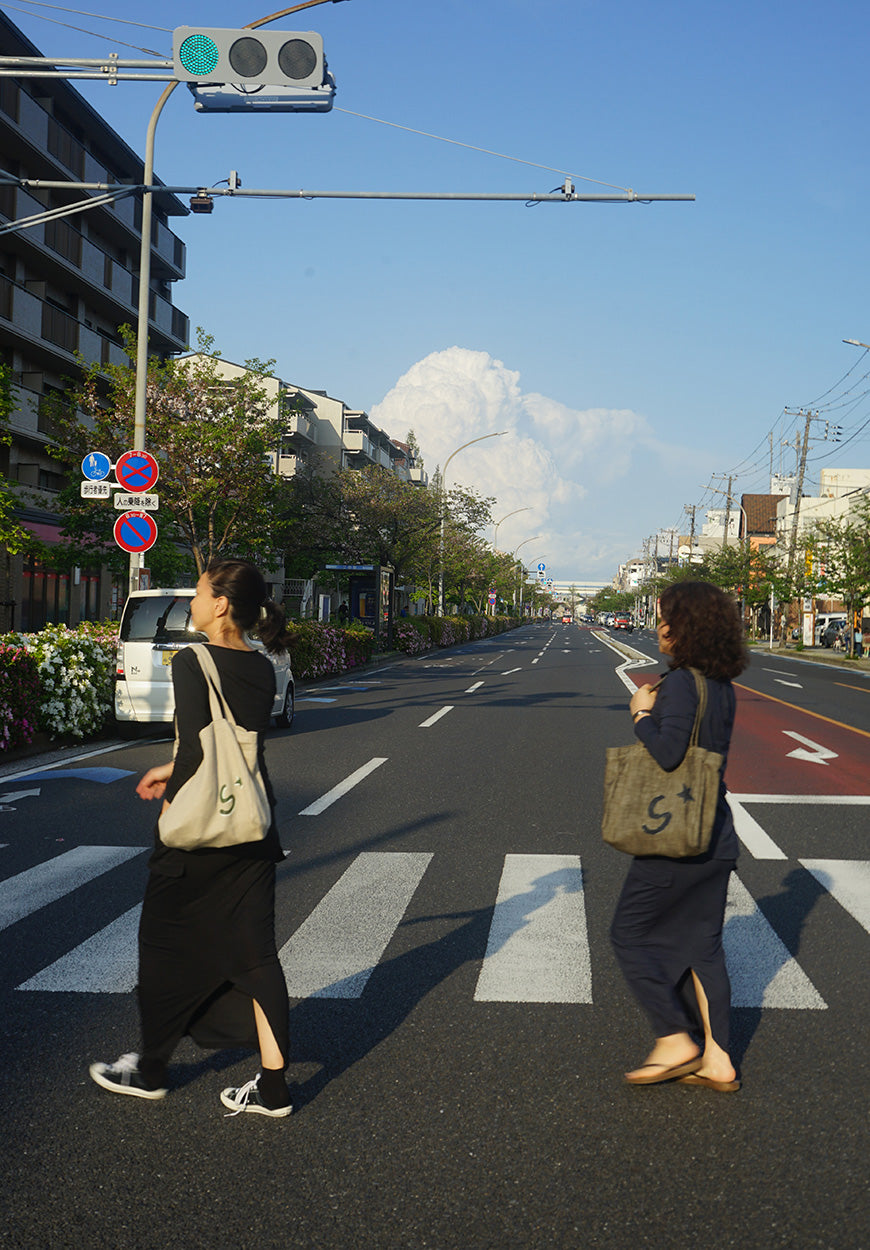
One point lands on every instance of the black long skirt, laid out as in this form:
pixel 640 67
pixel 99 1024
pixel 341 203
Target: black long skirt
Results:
pixel 206 951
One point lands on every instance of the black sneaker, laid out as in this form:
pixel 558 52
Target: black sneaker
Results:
pixel 124 1077
pixel 248 1098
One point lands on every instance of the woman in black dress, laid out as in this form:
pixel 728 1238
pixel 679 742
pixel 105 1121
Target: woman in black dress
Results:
pixel 208 966
pixel 668 922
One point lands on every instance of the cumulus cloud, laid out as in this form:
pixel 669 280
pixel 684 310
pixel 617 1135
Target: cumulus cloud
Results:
pixel 560 465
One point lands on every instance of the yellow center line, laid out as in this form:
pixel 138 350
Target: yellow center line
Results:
pixel 818 716
pixel 846 686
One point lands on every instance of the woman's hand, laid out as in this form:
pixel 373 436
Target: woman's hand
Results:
pixel 643 699
pixel 153 784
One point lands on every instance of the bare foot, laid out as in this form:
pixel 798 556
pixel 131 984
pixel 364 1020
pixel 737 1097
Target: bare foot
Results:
pixel 668 1052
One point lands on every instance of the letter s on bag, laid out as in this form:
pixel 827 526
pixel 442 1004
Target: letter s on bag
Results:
pixel 664 817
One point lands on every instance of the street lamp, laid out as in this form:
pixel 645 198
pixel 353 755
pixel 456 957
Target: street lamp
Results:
pixel 520 563
pixel 855 343
pixel 470 443
pixel 498 523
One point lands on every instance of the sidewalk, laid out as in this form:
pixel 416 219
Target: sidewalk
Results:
pixel 812 655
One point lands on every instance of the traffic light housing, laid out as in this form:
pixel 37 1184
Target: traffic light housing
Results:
pixel 276 58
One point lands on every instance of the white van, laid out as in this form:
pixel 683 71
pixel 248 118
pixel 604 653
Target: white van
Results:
pixel 155 624
pixel 823 620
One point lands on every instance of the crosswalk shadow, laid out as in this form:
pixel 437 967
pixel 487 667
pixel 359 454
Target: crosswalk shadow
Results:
pixel 338 1033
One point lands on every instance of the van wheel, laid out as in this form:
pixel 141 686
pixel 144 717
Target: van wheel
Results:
pixel 285 716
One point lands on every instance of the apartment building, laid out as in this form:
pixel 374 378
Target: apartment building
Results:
pixel 65 287
pixel 322 434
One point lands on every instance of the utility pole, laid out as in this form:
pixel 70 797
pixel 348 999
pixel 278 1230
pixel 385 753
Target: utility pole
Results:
pixel 792 546
pixel 727 510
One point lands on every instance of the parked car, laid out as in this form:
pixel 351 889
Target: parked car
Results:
pixel 834 630
pixel 622 620
pixel 155 625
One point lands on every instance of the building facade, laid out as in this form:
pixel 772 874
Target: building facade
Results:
pixel 66 286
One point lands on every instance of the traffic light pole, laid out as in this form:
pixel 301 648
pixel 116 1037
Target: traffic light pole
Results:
pixel 144 303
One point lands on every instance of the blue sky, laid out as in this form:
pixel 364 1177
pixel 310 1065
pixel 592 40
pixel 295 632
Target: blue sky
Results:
pixel 633 351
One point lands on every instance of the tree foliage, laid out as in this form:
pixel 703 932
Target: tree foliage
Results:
pixel 213 437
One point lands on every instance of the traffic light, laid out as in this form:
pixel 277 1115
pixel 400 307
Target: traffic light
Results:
pixel 275 58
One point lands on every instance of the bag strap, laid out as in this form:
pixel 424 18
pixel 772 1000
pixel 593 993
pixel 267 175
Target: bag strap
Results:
pixel 700 711
pixel 220 709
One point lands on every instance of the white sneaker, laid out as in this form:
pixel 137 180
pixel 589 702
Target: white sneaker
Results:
pixel 123 1077
pixel 248 1098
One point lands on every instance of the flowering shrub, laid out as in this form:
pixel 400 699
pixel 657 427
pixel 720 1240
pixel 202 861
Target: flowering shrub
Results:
pixel 19 696
pixel 74 668
pixel 413 634
pixel 318 649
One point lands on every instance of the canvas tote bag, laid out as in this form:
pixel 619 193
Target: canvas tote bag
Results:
pixel 648 811
pixel 225 801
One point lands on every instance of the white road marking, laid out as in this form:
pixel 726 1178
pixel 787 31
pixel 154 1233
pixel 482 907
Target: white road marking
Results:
pixel 476 686
pixel 849 882
pixel 783 672
pixel 751 834
pixel 834 800
pixel 107 963
pixel 816 754
pixel 310 699
pixel 334 952
pixel 70 759
pixel 536 659
pixel 507 672
pixel 762 971
pixel 427 724
pixel 538 950
pixel 780 682
pixel 27 892
pixel 7 800
pixel 321 804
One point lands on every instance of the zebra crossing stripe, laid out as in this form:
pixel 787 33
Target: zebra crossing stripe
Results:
pixel 763 973
pixel 27 892
pixel 849 882
pixel 334 952
pixel 751 834
pixel 538 950
pixel 326 800
pixel 107 963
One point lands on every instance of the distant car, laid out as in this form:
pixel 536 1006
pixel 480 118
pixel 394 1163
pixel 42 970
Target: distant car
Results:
pixel 622 620
pixel 567 620
pixel 155 625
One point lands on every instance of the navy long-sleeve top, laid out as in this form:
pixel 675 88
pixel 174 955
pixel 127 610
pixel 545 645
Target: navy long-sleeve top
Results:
pixel 666 733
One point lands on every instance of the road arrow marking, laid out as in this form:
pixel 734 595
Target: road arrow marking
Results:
pixel 6 799
pixel 780 682
pixel 816 754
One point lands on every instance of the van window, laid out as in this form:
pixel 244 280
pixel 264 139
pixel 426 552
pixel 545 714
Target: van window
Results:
pixel 159 618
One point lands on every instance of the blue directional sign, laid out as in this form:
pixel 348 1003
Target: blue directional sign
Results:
pixel 135 532
pixel 542 568
pixel 96 466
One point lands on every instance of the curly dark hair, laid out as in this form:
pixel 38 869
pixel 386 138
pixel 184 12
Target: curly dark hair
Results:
pixel 705 630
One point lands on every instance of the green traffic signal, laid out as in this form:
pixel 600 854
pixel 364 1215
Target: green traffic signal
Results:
pixel 199 54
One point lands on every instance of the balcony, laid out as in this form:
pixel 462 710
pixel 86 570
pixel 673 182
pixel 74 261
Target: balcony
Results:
pixel 357 444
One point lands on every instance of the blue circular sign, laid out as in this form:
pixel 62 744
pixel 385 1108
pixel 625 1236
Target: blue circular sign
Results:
pixel 96 467
pixel 136 471
pixel 542 568
pixel 135 531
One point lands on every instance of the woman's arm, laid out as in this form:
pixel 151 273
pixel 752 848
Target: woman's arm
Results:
pixel 666 731
pixel 153 784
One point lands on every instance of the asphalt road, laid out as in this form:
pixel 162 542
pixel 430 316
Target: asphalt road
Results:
pixel 459 1025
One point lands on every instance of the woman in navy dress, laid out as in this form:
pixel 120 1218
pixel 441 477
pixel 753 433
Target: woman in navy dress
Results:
pixel 667 930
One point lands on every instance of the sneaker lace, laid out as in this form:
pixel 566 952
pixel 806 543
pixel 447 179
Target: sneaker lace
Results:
pixel 126 1063
pixel 242 1095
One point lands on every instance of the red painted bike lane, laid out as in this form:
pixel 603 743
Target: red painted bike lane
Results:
pixel 831 758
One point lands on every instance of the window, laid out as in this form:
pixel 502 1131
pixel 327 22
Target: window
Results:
pixel 66 148
pixel 64 240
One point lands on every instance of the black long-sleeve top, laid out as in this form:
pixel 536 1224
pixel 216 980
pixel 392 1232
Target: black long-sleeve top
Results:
pixel 248 684
pixel 666 733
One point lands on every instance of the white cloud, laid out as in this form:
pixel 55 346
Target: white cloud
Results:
pixel 566 468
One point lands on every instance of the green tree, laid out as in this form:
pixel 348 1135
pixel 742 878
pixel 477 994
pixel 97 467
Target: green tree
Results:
pixel 843 547
pixel 213 436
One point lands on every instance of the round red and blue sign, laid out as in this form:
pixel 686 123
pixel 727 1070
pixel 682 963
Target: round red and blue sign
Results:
pixel 135 531
pixel 137 471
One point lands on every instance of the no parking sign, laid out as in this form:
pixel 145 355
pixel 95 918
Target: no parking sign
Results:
pixel 135 532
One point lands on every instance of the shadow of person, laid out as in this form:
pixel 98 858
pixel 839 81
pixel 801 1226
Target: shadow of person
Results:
pixel 774 939
pixel 335 1031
